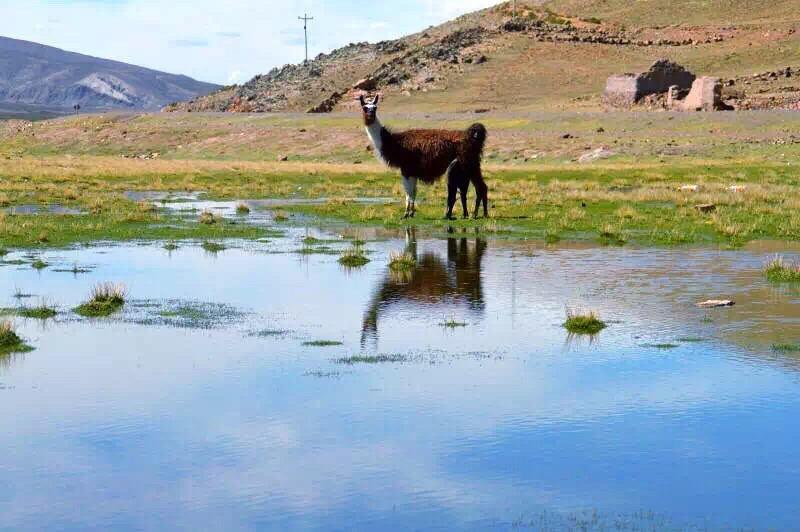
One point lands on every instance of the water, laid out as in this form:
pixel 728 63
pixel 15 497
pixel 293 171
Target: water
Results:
pixel 148 421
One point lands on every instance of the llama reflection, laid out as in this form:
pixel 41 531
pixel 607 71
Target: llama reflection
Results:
pixel 436 281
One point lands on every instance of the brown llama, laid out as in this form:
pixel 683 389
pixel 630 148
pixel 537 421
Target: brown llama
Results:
pixel 427 154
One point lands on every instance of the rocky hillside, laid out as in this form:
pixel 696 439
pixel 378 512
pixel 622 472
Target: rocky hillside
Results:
pixel 552 55
pixel 34 74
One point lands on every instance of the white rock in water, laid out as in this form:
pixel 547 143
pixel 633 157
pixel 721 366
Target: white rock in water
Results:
pixel 716 303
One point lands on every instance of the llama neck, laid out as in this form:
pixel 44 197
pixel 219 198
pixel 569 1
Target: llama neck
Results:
pixel 374 133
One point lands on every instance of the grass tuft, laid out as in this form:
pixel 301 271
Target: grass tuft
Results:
pixel 661 346
pixel 583 323
pixel 322 343
pixel 374 359
pixel 780 270
pixel 402 262
pixel 452 324
pixel 786 348
pixel 170 246
pixel 39 265
pixel 208 218
pixel 41 312
pixel 242 208
pixel 105 299
pixel 10 342
pixel 354 258
pixel 213 247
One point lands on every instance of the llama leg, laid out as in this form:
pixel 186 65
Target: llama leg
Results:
pixel 464 192
pixel 453 178
pixel 408 189
pixel 413 182
pixel 482 196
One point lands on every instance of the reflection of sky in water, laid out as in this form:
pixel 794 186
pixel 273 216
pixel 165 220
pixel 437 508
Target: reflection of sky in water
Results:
pixel 116 425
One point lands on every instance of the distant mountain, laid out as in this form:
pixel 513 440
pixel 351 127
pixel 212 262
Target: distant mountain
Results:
pixel 34 74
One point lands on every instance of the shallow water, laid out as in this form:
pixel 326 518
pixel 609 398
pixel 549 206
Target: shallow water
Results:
pixel 200 406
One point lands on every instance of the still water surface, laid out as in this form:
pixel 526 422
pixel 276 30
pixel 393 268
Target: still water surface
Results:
pixel 223 419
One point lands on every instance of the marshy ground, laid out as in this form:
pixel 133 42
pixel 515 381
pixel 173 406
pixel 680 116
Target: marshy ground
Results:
pixel 441 362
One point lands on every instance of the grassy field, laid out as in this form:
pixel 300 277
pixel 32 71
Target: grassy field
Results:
pixel 537 189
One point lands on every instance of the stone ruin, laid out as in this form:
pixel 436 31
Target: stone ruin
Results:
pixel 683 90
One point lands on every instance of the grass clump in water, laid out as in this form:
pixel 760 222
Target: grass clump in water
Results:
pixel 690 340
pixel 41 312
pixel 583 323
pixel 786 348
pixel 661 346
pixel 372 359
pixel 452 324
pixel 10 342
pixel 354 258
pixel 170 246
pixel 39 264
pixel 213 247
pixel 780 270
pixel 4 252
pixel 208 218
pixel 280 216
pixel 322 343
pixel 402 262
pixel 105 299
pixel 242 208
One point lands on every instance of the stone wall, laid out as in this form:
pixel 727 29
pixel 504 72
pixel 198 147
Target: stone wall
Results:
pixel 627 89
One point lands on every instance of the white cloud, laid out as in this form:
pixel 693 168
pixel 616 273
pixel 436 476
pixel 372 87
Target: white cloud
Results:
pixel 235 77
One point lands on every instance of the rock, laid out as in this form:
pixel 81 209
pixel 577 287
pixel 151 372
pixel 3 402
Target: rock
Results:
pixel 627 89
pixel 716 303
pixel 599 153
pixel 567 136
pixel 706 207
pixel 283 158
pixel 366 84
pixel 706 95
pixel 689 188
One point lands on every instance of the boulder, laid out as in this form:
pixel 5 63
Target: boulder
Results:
pixel 627 89
pixel 706 95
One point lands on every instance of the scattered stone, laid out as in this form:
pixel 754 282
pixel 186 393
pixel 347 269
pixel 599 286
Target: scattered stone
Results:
pixel 283 158
pixel 594 155
pixel 706 207
pixel 705 95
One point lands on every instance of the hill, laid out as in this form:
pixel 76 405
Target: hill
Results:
pixel 34 74
pixel 554 55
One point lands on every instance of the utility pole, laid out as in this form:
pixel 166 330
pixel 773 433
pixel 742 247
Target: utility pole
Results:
pixel 305 18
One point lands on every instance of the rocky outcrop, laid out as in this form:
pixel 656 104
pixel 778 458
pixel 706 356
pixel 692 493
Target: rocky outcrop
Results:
pixel 628 89
pixel 706 95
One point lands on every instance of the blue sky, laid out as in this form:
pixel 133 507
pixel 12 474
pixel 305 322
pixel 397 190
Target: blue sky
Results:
pixel 224 41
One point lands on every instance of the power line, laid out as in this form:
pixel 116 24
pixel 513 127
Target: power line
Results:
pixel 305 18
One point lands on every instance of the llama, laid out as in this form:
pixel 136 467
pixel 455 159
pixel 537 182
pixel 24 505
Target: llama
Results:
pixel 426 154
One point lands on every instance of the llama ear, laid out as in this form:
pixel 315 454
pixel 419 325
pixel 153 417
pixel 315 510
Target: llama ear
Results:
pixel 376 99
pixel 363 102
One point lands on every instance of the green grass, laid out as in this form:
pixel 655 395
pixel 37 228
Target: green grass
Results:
pixel 583 323
pixel 41 312
pixel 661 346
pixel 354 258
pixel 105 300
pixel 213 247
pixel 10 342
pixel 170 246
pixel 780 270
pixel 452 324
pixel 690 339
pixel 4 252
pixel 39 265
pixel 268 333
pixel 786 348
pixel 374 359
pixel 242 209
pixel 402 262
pixel 322 343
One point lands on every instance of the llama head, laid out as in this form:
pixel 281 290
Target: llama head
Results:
pixel 369 109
